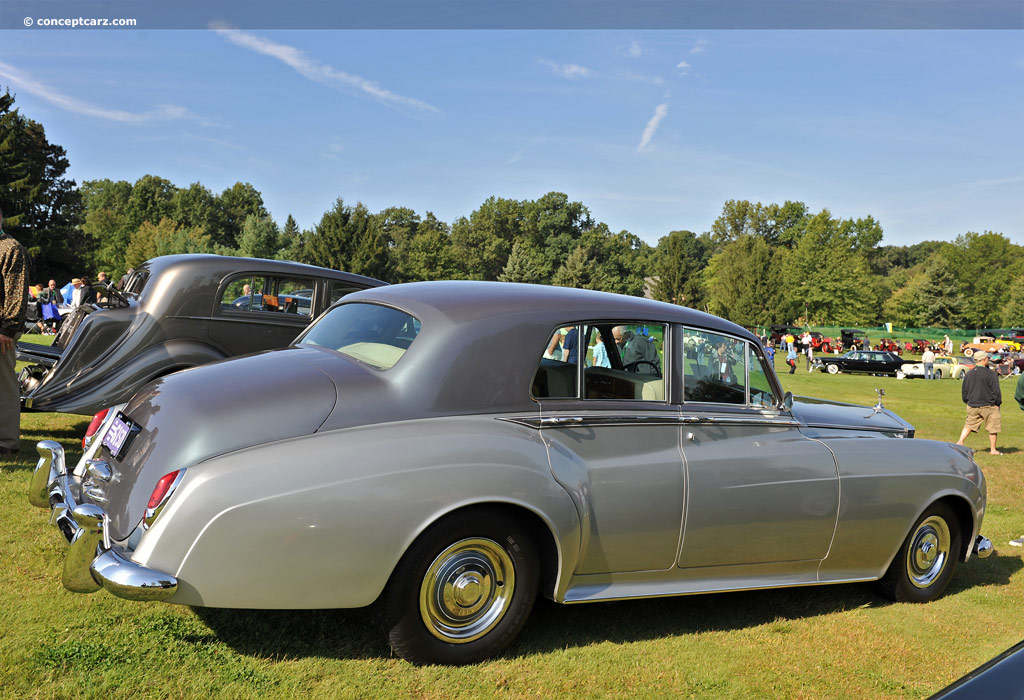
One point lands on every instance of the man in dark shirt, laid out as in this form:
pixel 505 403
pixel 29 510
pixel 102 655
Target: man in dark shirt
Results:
pixel 982 395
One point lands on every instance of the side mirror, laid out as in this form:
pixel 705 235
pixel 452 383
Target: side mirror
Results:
pixel 787 402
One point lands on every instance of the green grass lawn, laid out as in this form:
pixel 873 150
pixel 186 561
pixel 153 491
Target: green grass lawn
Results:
pixel 818 642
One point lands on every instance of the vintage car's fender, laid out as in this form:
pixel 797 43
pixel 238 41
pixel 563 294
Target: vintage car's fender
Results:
pixel 321 521
pixel 108 385
pixel 881 498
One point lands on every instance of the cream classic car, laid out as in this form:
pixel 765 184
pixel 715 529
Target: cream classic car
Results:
pixel 415 452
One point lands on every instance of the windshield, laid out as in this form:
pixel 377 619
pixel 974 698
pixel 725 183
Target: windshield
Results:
pixel 375 335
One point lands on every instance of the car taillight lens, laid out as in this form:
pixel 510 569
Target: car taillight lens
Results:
pixel 94 425
pixel 158 499
pixel 161 492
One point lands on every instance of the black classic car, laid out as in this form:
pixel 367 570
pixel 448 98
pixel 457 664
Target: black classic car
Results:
pixel 863 361
pixel 175 312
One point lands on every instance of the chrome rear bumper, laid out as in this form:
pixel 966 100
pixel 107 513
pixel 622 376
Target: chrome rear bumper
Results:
pixel 92 561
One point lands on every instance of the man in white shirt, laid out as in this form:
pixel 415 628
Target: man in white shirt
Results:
pixel 928 358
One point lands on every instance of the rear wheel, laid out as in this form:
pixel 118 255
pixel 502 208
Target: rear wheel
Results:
pixel 462 592
pixel 969 352
pixel 924 565
pixel 938 374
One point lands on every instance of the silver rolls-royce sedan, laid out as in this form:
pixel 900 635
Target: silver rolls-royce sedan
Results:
pixel 448 451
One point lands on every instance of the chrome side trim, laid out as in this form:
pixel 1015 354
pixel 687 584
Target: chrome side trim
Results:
pixel 586 421
pixel 892 430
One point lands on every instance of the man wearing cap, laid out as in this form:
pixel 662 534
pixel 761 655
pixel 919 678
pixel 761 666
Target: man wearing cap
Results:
pixel 981 393
pixel 13 305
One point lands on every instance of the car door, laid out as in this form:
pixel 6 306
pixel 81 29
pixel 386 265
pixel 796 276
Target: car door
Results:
pixel 758 490
pixel 614 444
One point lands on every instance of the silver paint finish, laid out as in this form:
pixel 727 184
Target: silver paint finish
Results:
pixel 308 474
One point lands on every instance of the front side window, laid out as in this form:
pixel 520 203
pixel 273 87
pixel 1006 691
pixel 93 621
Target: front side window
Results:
pixel 620 361
pixel 375 335
pixel 714 368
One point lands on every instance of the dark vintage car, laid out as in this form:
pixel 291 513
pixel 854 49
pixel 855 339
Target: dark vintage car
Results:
pixel 861 361
pixel 425 457
pixel 851 338
pixel 175 312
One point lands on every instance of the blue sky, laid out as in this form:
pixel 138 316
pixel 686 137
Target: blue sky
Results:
pixel 652 130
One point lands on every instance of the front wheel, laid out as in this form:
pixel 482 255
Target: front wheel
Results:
pixel 833 369
pixel 462 592
pixel 969 352
pixel 900 374
pixel 924 565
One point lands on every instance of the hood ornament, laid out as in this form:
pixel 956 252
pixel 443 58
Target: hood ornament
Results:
pixel 878 407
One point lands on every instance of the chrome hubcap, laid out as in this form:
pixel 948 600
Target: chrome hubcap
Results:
pixel 928 553
pixel 467 589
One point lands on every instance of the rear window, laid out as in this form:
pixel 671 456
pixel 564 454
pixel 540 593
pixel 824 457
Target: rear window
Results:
pixel 375 335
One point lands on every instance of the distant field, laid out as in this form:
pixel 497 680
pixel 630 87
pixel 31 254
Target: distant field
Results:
pixel 820 642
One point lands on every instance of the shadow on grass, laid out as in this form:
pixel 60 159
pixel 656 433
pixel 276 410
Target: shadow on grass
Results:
pixel 351 634
pixel 69 436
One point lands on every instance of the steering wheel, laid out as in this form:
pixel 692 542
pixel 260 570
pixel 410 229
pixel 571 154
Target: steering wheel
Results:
pixel 632 367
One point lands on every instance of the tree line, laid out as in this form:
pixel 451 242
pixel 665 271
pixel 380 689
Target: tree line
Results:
pixel 759 263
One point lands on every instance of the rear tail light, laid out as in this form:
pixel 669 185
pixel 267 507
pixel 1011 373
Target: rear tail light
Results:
pixel 164 488
pixel 94 425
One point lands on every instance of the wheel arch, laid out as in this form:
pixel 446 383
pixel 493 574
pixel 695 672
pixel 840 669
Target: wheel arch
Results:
pixel 539 528
pixel 965 520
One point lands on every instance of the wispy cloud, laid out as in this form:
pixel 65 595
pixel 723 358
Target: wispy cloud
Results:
pixel 570 71
pixel 699 47
pixel 634 49
pixel 25 82
pixel 518 155
pixel 320 72
pixel 652 126
pixel 683 67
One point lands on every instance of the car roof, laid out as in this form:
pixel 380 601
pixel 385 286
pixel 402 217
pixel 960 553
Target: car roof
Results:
pixel 220 265
pixel 463 301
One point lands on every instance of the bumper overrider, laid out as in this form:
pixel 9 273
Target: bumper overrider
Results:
pixel 92 562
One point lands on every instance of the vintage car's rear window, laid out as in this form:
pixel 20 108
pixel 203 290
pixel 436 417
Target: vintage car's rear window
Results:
pixel 376 335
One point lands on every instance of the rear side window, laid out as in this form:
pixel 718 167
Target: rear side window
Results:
pixel 375 335
pixel 269 293
pixel 619 361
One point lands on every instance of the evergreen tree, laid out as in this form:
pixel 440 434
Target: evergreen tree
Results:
pixel 524 264
pixel 680 259
pixel 259 238
pixel 42 208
